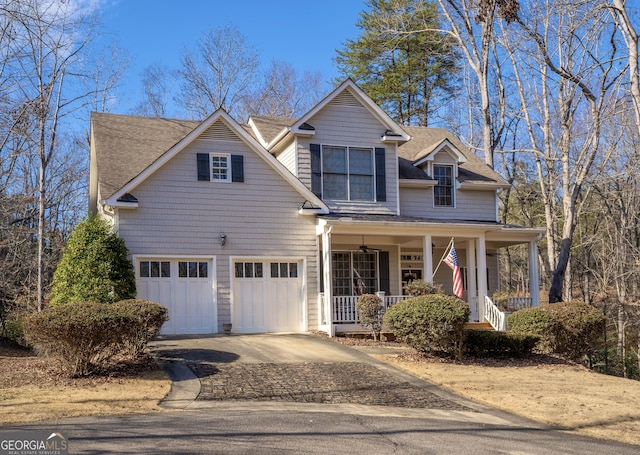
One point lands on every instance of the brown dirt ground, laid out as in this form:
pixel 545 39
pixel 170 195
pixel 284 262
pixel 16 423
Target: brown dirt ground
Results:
pixel 33 388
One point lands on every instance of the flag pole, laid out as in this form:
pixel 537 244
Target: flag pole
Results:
pixel 446 251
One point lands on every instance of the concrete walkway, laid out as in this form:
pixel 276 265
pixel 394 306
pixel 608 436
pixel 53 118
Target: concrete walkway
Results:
pixel 303 372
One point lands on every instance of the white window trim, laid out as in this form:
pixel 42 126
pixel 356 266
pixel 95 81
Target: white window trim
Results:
pixel 373 174
pixel 454 175
pixel 211 173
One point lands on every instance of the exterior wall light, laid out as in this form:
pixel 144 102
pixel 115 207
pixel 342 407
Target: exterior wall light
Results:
pixel 223 239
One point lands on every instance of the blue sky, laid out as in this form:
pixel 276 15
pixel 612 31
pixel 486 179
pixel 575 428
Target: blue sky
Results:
pixel 304 34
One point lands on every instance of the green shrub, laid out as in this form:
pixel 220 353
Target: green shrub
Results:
pixel 580 325
pixel 13 329
pixel 144 321
pixel 570 329
pixel 78 334
pixel 94 266
pixel 420 287
pixel 83 335
pixel 486 343
pixel 369 308
pixel 430 323
pixel 535 321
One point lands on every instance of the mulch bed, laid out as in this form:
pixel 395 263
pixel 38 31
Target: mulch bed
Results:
pixel 22 367
pixel 533 360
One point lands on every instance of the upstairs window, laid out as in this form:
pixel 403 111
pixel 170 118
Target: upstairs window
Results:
pixel 220 167
pixel 443 191
pixel 220 171
pixel 347 173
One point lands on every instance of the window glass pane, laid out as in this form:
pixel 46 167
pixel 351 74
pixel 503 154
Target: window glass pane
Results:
pixel 341 264
pixel 274 270
pixel 182 269
pixel 364 273
pixel 334 159
pixel 193 270
pixel 335 186
pixel 284 270
pixel 165 269
pixel 293 270
pixel 155 269
pixel 361 188
pixel 219 167
pixel 203 269
pixel 360 161
pixel 248 269
pixel 258 269
pixel 239 269
pixel 144 269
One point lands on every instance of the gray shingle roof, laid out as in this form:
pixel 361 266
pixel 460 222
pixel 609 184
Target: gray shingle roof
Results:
pixel 126 145
pixel 425 140
pixel 269 127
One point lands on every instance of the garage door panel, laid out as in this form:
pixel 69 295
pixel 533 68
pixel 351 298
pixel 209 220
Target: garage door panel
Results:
pixel 271 303
pixel 190 301
pixel 249 313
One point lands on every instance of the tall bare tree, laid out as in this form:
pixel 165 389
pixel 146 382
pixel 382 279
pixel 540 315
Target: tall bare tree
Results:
pixel 219 73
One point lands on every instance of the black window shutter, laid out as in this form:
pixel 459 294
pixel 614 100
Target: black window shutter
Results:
pixel 381 176
pixel 316 170
pixel 203 167
pixel 237 168
pixel 383 267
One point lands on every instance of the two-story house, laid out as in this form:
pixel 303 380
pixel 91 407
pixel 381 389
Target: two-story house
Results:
pixel 279 225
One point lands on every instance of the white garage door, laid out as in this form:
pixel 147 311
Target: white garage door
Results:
pixel 267 296
pixel 186 287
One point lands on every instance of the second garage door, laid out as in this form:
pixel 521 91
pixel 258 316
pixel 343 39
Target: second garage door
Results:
pixel 267 296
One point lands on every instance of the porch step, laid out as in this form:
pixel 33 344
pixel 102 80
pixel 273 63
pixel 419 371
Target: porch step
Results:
pixel 477 326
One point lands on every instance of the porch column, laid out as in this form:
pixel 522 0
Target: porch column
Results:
pixel 326 275
pixel 534 273
pixel 472 284
pixel 482 275
pixel 427 259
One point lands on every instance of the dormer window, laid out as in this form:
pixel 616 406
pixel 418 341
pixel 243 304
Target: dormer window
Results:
pixel 443 190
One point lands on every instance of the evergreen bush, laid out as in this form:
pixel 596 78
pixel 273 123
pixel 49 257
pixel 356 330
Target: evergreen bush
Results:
pixel 486 343
pixel 420 287
pixel 369 308
pixel 85 335
pixel 94 266
pixel 537 322
pixel 430 323
pixel 570 329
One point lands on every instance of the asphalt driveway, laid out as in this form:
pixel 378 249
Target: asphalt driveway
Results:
pixel 300 369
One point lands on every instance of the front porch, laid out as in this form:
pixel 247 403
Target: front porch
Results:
pixel 359 256
pixel 345 318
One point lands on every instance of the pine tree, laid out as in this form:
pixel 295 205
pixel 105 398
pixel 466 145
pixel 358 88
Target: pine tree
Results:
pixel 402 63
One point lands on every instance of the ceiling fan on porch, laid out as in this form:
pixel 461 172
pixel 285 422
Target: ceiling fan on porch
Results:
pixel 365 249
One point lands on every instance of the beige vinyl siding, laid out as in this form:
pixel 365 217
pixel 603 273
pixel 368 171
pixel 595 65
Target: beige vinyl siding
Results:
pixel 470 205
pixel 179 215
pixel 288 158
pixel 344 122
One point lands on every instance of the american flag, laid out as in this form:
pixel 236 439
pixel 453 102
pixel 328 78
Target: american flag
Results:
pixel 452 261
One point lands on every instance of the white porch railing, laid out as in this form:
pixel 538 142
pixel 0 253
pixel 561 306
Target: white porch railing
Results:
pixel 495 316
pixel 344 309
